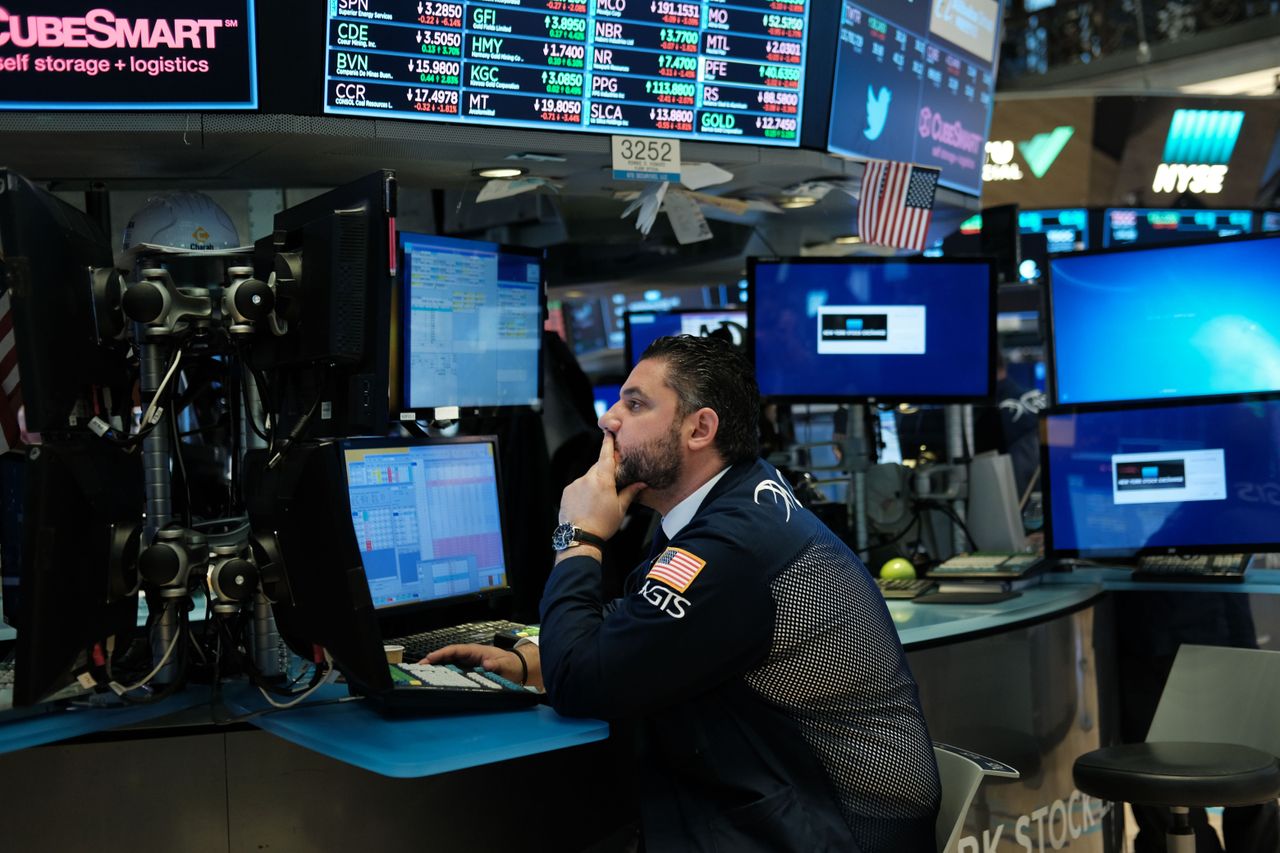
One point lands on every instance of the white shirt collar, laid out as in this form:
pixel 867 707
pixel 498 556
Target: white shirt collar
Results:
pixel 683 512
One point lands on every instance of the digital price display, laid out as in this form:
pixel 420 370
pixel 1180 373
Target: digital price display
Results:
pixel 699 69
pixel 916 82
pixel 127 54
pixel 1144 227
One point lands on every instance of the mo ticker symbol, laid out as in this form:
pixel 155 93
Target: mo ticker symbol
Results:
pixel 1042 149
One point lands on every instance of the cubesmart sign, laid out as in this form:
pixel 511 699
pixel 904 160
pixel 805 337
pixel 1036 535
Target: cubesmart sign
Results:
pixel 127 54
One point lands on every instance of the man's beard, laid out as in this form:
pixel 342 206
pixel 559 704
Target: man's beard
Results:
pixel 656 464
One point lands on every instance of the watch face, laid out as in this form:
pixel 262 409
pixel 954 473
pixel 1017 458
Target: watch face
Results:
pixel 562 537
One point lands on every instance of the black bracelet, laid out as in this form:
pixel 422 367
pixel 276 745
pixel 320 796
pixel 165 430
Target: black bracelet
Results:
pixel 524 666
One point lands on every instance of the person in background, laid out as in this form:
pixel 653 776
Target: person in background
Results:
pixel 751 654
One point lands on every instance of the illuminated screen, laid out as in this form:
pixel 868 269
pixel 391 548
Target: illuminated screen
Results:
pixel 694 68
pixel 910 329
pixel 1181 478
pixel 1174 321
pixel 1137 227
pixel 1064 230
pixel 427 518
pixel 645 327
pixel 72 55
pixel 915 82
pixel 472 323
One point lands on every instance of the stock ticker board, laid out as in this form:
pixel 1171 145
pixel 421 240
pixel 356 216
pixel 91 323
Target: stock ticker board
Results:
pixel 696 69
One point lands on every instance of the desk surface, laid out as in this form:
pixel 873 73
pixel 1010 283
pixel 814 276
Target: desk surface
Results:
pixel 27 727
pixel 355 733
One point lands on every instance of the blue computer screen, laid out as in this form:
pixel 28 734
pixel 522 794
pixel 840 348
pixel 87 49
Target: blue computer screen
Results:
pixel 645 327
pixel 1183 478
pixel 1174 321
pixel 427 519
pixel 915 329
pixel 472 323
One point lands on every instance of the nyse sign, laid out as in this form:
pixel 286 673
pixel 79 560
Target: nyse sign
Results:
pixel 1189 178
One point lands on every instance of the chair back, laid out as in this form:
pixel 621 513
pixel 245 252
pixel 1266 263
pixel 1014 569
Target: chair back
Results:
pixel 961 771
pixel 1221 695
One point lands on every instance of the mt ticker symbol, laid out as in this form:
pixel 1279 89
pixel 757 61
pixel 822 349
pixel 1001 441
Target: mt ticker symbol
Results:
pixel 1042 149
pixel 877 112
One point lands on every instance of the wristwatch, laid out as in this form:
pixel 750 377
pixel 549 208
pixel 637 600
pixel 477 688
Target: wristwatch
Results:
pixel 567 536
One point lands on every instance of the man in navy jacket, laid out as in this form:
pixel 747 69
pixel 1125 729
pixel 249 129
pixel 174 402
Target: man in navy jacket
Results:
pixel 753 648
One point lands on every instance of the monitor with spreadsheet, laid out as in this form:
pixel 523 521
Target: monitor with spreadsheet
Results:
pixel 888 329
pixel 1172 478
pixel 471 325
pixel 427 519
pixel 1193 320
pixel 644 327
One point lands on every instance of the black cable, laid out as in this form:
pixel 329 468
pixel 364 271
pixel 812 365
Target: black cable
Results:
pixel 950 513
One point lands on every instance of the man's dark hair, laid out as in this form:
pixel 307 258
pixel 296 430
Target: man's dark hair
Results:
pixel 712 373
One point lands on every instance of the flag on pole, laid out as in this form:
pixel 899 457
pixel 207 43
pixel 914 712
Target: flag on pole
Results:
pixel 896 203
pixel 10 385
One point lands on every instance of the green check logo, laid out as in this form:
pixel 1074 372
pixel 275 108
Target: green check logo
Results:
pixel 1042 149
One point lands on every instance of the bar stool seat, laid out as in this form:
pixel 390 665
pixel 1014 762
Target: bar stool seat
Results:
pixel 1179 774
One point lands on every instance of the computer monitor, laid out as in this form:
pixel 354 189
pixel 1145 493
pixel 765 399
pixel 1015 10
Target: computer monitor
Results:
pixel 82 521
pixel 889 448
pixel 1145 226
pixel 334 259
pixel 71 358
pixel 1194 320
pixel 471 325
pixel 604 396
pixel 860 329
pixel 1170 478
pixel 427 517
pixel 644 327
pixel 365 535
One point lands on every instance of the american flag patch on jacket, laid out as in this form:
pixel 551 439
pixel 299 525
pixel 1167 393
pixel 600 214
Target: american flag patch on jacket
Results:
pixel 676 568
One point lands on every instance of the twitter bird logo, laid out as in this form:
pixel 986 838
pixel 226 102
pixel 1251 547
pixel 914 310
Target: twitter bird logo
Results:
pixel 877 112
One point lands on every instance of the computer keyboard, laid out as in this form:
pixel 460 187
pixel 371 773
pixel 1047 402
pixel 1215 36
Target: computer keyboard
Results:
pixel 993 564
pixel 446 689
pixel 1213 568
pixel 903 587
pixel 418 646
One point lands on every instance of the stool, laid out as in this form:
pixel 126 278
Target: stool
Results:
pixel 1213 741
pixel 1179 775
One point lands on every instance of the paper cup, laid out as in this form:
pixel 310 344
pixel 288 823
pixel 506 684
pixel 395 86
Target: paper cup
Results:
pixel 395 654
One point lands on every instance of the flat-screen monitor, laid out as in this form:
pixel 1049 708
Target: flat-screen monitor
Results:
pixel 1196 320
pixel 916 82
pixel 472 324
pixel 1184 478
pixel 82 518
pixel 55 271
pixel 132 55
pixel 644 327
pixel 604 396
pixel 1129 226
pixel 889 448
pixel 695 70
pixel 362 533
pixel 891 329
pixel 1065 229
pixel 1270 221
pixel 427 518
pixel 334 258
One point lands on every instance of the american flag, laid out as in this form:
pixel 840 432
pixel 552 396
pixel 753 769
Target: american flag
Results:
pixel 10 386
pixel 676 568
pixel 896 204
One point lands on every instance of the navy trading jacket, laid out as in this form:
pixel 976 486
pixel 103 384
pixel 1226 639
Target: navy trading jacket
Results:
pixel 777 709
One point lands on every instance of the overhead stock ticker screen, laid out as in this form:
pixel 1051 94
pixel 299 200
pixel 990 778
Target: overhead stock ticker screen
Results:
pixel 136 55
pixel 915 81
pixel 696 69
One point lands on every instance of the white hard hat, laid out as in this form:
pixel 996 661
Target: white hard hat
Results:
pixel 190 221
